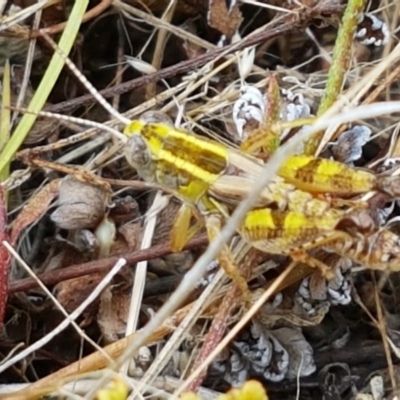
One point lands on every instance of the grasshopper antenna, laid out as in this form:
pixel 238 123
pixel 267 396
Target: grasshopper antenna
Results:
pixel 68 118
pixel 91 89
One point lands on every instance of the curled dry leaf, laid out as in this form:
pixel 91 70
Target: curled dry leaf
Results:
pixel 125 209
pixel 126 215
pixel 372 30
pixel 273 354
pixel 301 359
pixel 225 20
pixel 254 111
pixel 248 111
pixel 81 205
pixel 294 107
pixel 129 237
pixel 283 311
pixel 315 294
pixel 348 147
pixel 166 218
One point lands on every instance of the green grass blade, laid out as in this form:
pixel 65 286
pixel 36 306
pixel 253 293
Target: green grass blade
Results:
pixel 5 117
pixel 46 85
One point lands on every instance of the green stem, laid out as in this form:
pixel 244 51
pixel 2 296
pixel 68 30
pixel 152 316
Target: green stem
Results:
pixel 340 64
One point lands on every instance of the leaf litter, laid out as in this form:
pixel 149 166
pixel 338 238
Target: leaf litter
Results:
pixel 71 199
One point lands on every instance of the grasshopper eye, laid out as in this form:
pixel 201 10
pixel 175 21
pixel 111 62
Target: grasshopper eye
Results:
pixel 137 154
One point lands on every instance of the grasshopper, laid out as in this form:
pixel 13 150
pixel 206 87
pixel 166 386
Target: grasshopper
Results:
pixel 289 218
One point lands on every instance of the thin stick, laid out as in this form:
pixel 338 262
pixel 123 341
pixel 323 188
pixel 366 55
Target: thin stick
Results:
pixel 92 267
pixel 82 78
pixel 159 203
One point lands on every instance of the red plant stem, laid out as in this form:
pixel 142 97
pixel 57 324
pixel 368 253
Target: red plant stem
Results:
pixel 4 257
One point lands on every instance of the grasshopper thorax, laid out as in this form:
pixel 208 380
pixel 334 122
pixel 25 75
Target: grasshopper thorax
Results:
pixel 175 159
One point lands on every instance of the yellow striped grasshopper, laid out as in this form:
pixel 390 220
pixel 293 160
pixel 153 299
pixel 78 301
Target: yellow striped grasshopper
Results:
pixel 290 218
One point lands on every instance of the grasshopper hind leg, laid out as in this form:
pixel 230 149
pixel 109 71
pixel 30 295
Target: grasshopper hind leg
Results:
pixel 182 232
pixel 225 257
pixel 305 258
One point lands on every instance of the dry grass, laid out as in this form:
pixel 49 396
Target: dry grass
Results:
pixel 180 70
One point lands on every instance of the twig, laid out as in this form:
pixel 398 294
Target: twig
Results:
pixel 54 277
pixel 288 23
pixel 92 13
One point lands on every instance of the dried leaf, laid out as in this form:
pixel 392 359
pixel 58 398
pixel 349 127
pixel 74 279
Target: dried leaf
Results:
pixel 225 20
pixel 301 359
pixel 372 30
pixel 73 292
pixel 255 352
pixel 113 313
pixel 34 210
pixel 81 205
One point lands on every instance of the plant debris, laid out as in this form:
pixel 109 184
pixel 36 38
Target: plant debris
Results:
pixel 252 76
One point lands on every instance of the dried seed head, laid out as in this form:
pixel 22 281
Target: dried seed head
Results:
pixel 140 65
pixel 81 205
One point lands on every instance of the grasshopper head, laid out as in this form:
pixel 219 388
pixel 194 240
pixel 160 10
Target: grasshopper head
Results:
pixel 137 151
pixel 146 137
